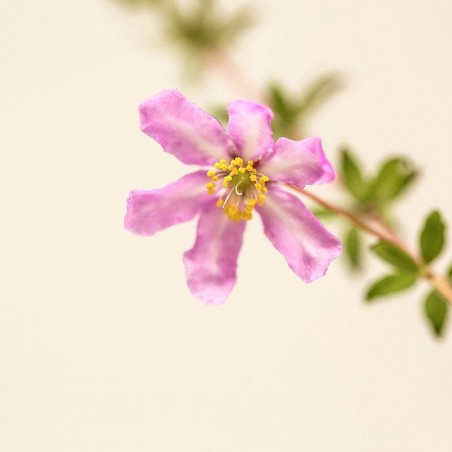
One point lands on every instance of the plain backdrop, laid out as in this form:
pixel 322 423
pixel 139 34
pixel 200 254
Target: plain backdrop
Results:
pixel 102 347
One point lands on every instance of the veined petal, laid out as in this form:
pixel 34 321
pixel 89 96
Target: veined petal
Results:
pixel 148 211
pixel 250 127
pixel 296 233
pixel 184 129
pixel 211 264
pixel 297 162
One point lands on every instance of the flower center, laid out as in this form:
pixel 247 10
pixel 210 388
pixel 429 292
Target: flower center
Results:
pixel 240 187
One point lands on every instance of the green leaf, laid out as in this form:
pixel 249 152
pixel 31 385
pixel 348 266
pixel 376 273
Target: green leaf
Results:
pixel 352 175
pixel 395 256
pixel 282 104
pixel 292 110
pixel 203 26
pixel 394 177
pixel 432 237
pixel 436 309
pixel 391 284
pixel 236 24
pixel 353 247
pixel 318 92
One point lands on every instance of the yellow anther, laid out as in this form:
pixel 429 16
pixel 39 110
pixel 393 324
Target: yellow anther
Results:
pixel 210 188
pixel 243 185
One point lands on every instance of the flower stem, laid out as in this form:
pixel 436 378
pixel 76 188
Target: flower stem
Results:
pixel 440 284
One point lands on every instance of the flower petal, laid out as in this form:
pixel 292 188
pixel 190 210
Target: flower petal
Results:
pixel 250 127
pixel 184 130
pixel 297 234
pixel 297 162
pixel 148 211
pixel 211 264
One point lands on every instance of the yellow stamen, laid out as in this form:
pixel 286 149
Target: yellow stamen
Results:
pixel 243 187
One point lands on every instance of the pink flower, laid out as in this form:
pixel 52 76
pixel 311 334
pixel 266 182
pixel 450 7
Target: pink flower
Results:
pixel 245 171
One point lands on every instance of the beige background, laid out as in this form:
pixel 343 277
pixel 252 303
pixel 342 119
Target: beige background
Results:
pixel 102 348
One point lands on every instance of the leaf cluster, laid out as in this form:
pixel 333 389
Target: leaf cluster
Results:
pixel 372 196
pixel 292 110
pixel 407 271
pixel 200 28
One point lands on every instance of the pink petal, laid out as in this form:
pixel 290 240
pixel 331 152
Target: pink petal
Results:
pixel 152 210
pixel 184 130
pixel 249 125
pixel 297 234
pixel 211 264
pixel 297 162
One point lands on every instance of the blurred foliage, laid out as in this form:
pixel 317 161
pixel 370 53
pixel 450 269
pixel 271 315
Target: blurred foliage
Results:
pixel 199 29
pixel 353 245
pixel 293 110
pixel 375 193
pixel 204 28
